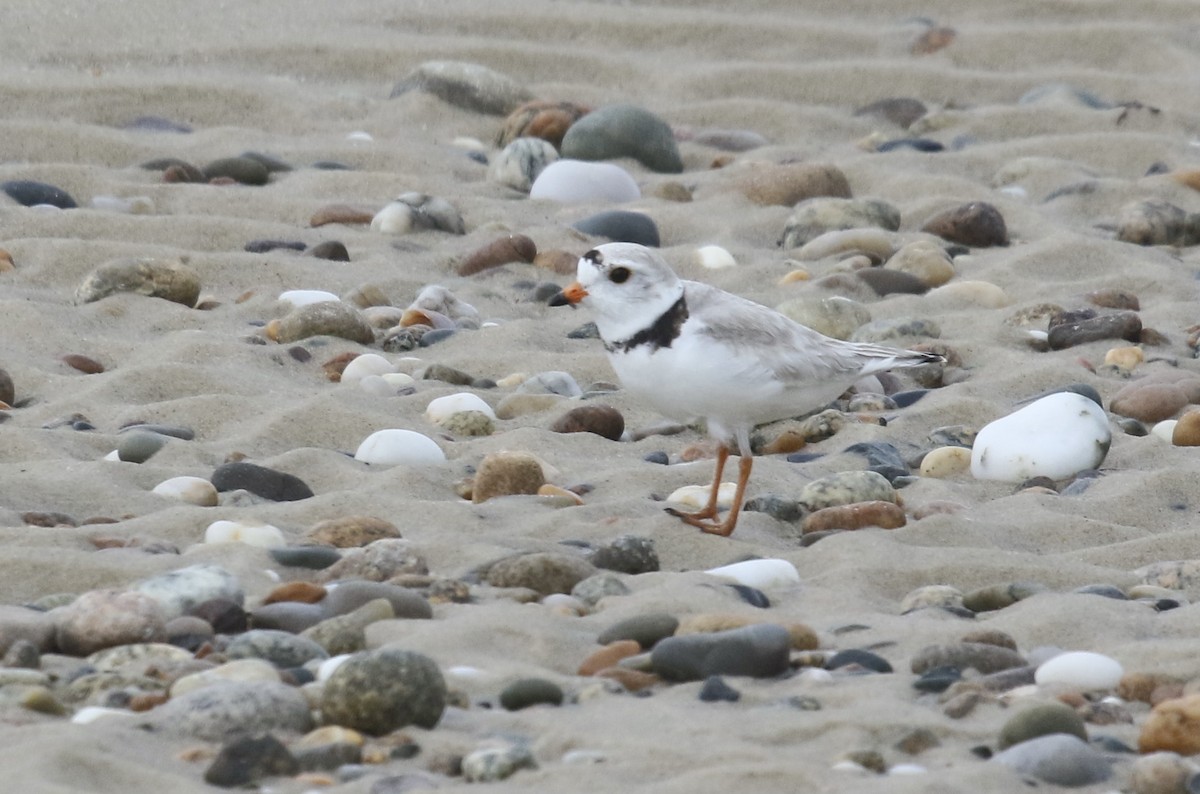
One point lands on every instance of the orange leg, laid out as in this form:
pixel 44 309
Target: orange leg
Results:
pixel 710 509
pixel 725 528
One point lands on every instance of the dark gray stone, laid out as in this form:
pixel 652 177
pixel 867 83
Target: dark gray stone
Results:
pixel 621 226
pixel 760 651
pixel 528 692
pixel 29 193
pixel 248 759
pixel 280 648
pixel 261 481
pixel 616 131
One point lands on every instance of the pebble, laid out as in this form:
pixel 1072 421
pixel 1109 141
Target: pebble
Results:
pixel 436 298
pixel 416 212
pixel 540 118
pixel 1172 726
pixel 29 193
pixel 347 596
pixel 552 382
pixel 696 496
pixel 608 656
pixel 244 170
pixel 501 251
pixel 1152 400
pixel 855 657
pixel 834 316
pixel 1056 436
pixel 441 409
pixel 814 217
pixel 999 596
pixel 627 554
pixel 1057 759
pixel 181 591
pixel 617 131
pixel 938 680
pixel 520 162
pixel 1186 432
pixel 155 278
pixel 280 648
pixel 946 462
pixel 249 670
pixel 1041 720
pixel 379 691
pixel 377 562
pixel 924 259
pixel 901 111
pixel 1161 773
pixel 890 282
pixel 396 446
pixel 602 420
pixel 271 484
pixel 730 140
pixel 716 690
pixel 351 531
pixel 341 213
pixel 620 226
pixel 249 532
pixel 526 692
pixel 139 447
pixel 977 224
pixel 713 257
pixel 1157 222
pixel 940 596
pixel 1124 358
pixel 346 633
pixel 876 244
pixel 760 650
pixel 846 488
pixel 984 657
pixel 645 629
pixel 762 573
pixel 466 85
pixel 235 708
pixel 8 394
pixel 324 318
pixel 312 557
pixel 1081 670
pixel 884 515
pixel 542 572
pixel 788 185
pixel 290 616
pixel 579 182
pixel 297 298
pixel 135 205
pixel 1120 325
pixel 246 760
pixel 106 618
pixel 492 764
pixel 330 250
pixel 507 473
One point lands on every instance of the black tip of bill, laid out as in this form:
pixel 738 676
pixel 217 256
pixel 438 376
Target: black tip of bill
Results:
pixel 560 299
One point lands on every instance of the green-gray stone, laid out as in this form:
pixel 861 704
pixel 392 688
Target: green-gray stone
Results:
pixel 528 692
pixel 1041 720
pixel 139 446
pixel 619 131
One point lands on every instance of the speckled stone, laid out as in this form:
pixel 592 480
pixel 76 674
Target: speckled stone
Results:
pixel 543 572
pixel 1157 222
pixel 105 618
pixel 155 278
pixel 277 647
pixel 627 554
pixel 351 531
pixel 490 764
pixel 221 712
pixel 846 488
pixel 378 561
pixel 1173 726
pixel 981 656
pixel 347 633
pixel 379 691
pixel 787 185
pixel 816 216
pixel 246 760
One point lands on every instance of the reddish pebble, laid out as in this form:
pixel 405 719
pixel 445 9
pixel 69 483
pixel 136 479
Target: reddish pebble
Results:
pixel 341 213
pixel 89 366
pixel 334 366
pixel 885 515
pixel 608 656
pixel 501 251
pixel 302 592
pixel 632 680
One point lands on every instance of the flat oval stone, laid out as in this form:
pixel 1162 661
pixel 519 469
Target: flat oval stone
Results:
pixel 544 572
pixel 29 193
pixel 235 708
pixel 380 691
pixel 1042 719
pixel 977 224
pixel 602 420
pixel 859 658
pixel 155 278
pixel 396 446
pixel 351 531
pixel 1081 669
pixel 344 634
pixel 312 557
pixel 788 185
pixel 816 216
pixel 616 131
pixel 1057 759
pixel 760 650
pixel 761 574
pixel 465 85
pixel 576 182
pixel 507 473
pixel 244 170
pixel 323 318
pixel 280 648
pixel 621 226
pixel 268 483
pixel 1121 325
pixel 105 618
pixel 501 251
pixel 983 657
pixel 526 692
pixel 139 447
pixel 846 488
pixel 346 596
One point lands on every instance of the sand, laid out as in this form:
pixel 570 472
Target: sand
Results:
pixel 296 79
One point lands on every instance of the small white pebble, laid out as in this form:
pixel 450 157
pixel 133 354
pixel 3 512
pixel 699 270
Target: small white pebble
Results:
pixel 697 495
pixel 1164 430
pixel 359 135
pixel 89 714
pixel 815 675
pixel 329 665
pixel 759 573
pixel 907 769
pixel 305 297
pixel 714 257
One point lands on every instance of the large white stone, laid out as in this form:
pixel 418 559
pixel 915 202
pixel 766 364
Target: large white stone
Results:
pixel 1057 436
pixel 196 490
pixel 305 297
pixel 258 534
pixel 759 573
pixel 1080 669
pixel 442 408
pixel 364 365
pixel 576 181
pixel 395 446
pixel 697 495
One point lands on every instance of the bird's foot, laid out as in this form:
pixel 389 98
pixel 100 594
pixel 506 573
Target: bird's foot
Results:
pixel 724 529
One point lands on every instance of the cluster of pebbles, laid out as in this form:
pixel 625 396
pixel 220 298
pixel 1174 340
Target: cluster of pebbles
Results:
pixel 307 663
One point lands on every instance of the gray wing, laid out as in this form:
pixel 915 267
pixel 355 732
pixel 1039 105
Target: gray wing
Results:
pixel 791 352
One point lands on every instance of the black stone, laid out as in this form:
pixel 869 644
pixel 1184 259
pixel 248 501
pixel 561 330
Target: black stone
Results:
pixel 938 680
pixel 864 659
pixel 272 164
pixel 435 336
pixel 880 453
pixel 333 250
pixel 268 483
pixel 225 616
pixel 248 759
pixel 530 692
pixel 903 399
pixel 760 650
pixel 312 557
pixel 157 124
pixel 916 144
pixel 265 246
pixel 621 226
pixel 29 193
pixel 751 595
pixel 715 690
pixel 659 457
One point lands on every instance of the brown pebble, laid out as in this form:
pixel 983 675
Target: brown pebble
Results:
pixel 562 262
pixel 332 250
pixel 507 473
pixel 41 519
pixel 540 118
pixel 701 450
pixel 501 251
pixel 787 185
pixel 1114 299
pixel 608 656
pixel 977 224
pixel 88 366
pixel 147 700
pixel 351 531
pixel 1149 402
pixel 789 441
pixel 182 173
pixel 1187 430
pixel 1140 686
pixel 302 592
pixel 1173 726
pixel 632 680
pixel 885 515
pixel 962 704
pixel 341 213
pixel 932 40
pixel 1168 691
pixel 991 637
pixel 673 191
pixel 602 420
pixel 1188 178
pixel 336 365
pixel 6 261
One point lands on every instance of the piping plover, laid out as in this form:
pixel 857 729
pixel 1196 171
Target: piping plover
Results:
pixel 697 352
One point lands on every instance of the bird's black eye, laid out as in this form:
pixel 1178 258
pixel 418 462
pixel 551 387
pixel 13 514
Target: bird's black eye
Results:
pixel 619 275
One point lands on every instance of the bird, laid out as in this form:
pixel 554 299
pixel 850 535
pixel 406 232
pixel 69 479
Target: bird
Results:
pixel 693 351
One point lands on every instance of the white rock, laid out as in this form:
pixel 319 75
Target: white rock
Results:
pixel 137 205
pixel 576 181
pixel 114 456
pixel 759 573
pixel 398 380
pixel 1165 430
pixel 965 294
pixel 327 666
pixel 364 365
pixel 90 714
pixel 394 446
pixel 697 495
pixel 306 297
pixel 1057 436
pixel 264 536
pixel 714 257
pixel 359 136
pixel 395 218
pixel 945 462
pixel 907 769
pixel 442 408
pixel 1081 669
pixel 194 490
